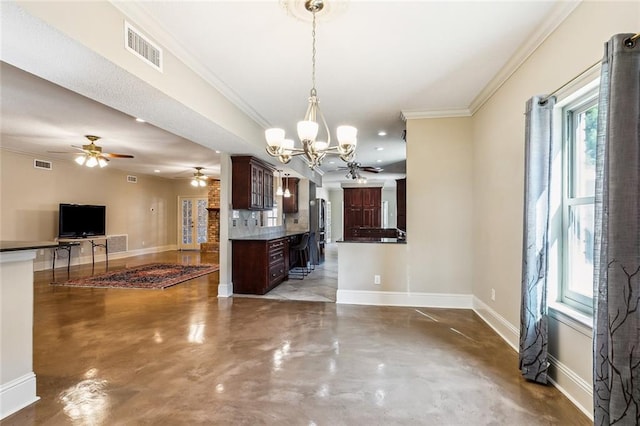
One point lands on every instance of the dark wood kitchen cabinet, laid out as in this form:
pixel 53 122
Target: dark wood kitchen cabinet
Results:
pixel 362 208
pixel 290 204
pixel 252 187
pixel 259 265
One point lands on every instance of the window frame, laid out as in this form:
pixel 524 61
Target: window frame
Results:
pixel 569 199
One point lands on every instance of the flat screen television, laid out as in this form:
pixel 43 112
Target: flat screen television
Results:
pixel 81 221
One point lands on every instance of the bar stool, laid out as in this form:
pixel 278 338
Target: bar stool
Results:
pixel 301 255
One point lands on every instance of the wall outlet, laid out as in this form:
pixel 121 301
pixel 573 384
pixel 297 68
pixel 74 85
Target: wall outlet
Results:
pixel 81 249
pixel 41 252
pixel 493 294
pixel 376 279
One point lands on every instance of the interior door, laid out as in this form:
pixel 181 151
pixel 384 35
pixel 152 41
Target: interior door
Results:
pixel 193 223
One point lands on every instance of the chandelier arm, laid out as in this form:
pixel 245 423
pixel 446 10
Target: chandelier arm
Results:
pixel 326 127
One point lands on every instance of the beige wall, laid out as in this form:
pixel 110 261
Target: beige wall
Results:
pixel 439 205
pixel 498 158
pixel 29 198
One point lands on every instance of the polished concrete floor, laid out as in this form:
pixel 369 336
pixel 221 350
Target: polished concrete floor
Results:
pixel 181 356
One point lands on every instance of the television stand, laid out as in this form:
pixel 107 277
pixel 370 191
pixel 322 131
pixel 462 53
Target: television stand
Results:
pixel 67 243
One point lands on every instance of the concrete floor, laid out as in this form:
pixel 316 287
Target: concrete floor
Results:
pixel 182 356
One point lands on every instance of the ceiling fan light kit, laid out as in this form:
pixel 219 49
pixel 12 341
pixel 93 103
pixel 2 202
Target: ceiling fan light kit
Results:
pixel 199 179
pixel 92 154
pixel 314 147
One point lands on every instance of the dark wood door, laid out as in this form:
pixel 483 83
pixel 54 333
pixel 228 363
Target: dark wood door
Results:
pixel 362 208
pixel 290 204
pixel 401 204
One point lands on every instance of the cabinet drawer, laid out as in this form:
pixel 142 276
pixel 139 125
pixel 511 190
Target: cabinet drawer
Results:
pixel 276 271
pixel 275 245
pixel 276 256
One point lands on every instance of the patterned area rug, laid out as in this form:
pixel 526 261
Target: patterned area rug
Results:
pixel 154 275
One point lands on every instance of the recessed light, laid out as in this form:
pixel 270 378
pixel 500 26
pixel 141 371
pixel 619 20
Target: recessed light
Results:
pixel 382 133
pixel 332 162
pixel 379 148
pixel 156 171
pixel 378 161
pixel 140 120
pixel 217 151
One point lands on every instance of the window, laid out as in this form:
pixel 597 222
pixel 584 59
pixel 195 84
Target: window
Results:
pixel 580 119
pixel 271 216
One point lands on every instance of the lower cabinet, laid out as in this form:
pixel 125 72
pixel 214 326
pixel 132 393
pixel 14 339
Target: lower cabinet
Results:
pixel 259 265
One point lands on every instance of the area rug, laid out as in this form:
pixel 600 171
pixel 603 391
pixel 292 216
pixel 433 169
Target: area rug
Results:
pixel 154 275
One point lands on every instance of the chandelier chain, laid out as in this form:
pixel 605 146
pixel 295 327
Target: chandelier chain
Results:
pixel 313 56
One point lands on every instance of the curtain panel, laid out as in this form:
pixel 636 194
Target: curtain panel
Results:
pixel 533 311
pixel 616 347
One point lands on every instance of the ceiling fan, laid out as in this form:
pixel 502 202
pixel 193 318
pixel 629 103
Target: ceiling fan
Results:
pixel 354 168
pixel 92 154
pixel 199 178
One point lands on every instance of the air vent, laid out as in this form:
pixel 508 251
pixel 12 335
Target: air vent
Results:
pixel 142 47
pixel 42 164
pixel 132 179
pixel 118 243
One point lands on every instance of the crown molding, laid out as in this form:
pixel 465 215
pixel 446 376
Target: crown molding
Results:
pixel 152 29
pixel 439 113
pixel 557 16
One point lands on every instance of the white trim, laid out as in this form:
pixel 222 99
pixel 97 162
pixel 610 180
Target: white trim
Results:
pixel 225 290
pixel 570 384
pixel 565 377
pixel 17 255
pixel 571 318
pixel 531 43
pixel 440 113
pixel 17 394
pixel 396 298
pixel 498 323
pixel 45 263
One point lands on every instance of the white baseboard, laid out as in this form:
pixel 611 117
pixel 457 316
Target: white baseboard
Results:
pixel 45 264
pixel 574 387
pixel 396 298
pixel 499 324
pixel 225 290
pixel 17 394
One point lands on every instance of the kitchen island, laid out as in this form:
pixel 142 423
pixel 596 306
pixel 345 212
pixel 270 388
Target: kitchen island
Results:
pixel 17 379
pixel 261 262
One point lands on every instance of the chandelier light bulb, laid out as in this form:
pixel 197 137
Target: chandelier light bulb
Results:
pixel 287 193
pixel 203 183
pixel 274 137
pixel 102 162
pixel 80 159
pixel 307 130
pixel 194 182
pixel 279 191
pixel 91 162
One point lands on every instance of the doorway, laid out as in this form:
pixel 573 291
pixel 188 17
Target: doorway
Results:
pixel 193 222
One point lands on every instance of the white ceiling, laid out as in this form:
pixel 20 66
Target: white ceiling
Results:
pixel 375 59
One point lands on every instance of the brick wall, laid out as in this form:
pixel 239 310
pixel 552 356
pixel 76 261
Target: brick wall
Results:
pixel 213 230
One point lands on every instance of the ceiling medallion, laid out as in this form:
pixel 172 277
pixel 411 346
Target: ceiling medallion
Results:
pixel 298 9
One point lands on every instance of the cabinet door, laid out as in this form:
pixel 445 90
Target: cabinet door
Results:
pixel 352 197
pixel 268 189
pixel 257 186
pixel 290 204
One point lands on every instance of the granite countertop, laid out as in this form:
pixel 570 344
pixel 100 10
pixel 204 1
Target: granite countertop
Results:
pixel 26 245
pixel 367 240
pixel 267 237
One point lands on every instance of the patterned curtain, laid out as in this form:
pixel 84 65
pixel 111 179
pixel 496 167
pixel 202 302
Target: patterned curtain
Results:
pixel 616 343
pixel 533 312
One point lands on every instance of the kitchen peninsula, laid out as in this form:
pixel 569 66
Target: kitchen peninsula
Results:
pixel 372 269
pixel 17 379
pixel 261 262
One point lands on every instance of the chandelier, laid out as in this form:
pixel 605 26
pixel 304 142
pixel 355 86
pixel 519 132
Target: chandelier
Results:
pixel 314 146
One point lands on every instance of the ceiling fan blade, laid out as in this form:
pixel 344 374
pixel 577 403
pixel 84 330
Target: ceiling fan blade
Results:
pixel 112 155
pixel 371 169
pixel 63 152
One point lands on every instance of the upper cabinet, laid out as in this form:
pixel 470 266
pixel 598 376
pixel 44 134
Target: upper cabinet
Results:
pixel 252 187
pixel 290 204
pixel 362 209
